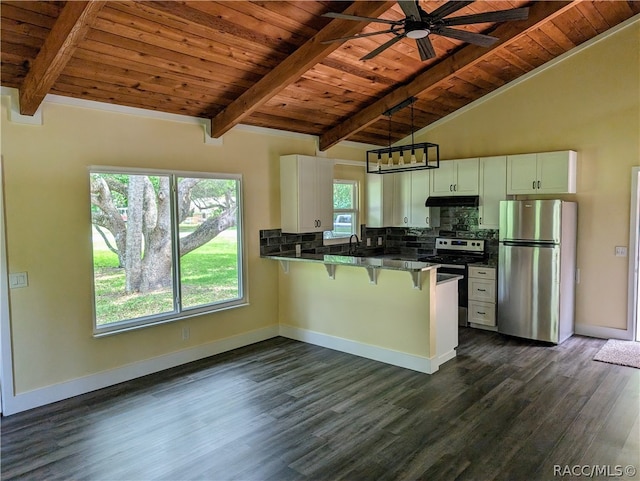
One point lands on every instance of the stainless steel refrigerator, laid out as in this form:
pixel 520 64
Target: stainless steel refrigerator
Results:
pixel 536 269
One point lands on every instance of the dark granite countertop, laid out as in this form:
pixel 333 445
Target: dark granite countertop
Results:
pixel 379 262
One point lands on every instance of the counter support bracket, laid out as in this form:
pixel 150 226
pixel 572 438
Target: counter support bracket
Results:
pixel 285 266
pixel 373 275
pixel 417 280
pixel 331 270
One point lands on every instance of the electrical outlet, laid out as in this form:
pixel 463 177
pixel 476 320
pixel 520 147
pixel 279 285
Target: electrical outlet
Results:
pixel 185 333
pixel 298 250
pixel 621 251
pixel 379 241
pixel 368 241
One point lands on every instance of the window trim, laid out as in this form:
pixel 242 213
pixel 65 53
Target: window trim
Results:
pixel 355 212
pixel 179 313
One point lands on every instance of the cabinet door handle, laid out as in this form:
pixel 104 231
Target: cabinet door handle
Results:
pixel 426 220
pixel 405 220
pixel 455 187
pixel 538 184
pixel 533 186
pixel 480 220
pixel 450 187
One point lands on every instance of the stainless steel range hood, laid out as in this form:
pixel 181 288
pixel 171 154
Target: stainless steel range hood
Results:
pixel 453 201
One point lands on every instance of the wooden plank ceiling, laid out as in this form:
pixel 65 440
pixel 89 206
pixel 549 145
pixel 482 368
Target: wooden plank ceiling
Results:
pixel 262 63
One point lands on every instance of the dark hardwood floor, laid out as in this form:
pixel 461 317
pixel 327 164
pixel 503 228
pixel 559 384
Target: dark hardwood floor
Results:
pixel 504 409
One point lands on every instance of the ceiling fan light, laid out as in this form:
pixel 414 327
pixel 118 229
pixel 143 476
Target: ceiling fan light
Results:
pixel 418 33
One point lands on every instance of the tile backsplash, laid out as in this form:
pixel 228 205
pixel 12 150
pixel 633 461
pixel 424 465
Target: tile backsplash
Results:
pixel 409 242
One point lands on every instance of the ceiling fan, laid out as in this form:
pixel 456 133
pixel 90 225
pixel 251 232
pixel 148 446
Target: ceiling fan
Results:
pixel 418 25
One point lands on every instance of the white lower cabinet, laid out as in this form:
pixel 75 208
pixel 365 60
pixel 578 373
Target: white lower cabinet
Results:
pixel 482 297
pixel 483 313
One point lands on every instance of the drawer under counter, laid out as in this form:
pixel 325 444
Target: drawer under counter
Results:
pixel 482 313
pixel 482 289
pixel 482 272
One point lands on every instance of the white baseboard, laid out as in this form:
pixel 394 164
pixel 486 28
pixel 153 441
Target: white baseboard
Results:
pixel 603 332
pixel 389 356
pixel 447 356
pixel 75 387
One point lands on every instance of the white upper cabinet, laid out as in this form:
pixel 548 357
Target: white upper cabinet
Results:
pixel 380 193
pixel 421 216
pixel 455 177
pixel 492 189
pixel 306 193
pixel 401 198
pixel 542 173
pixel 397 200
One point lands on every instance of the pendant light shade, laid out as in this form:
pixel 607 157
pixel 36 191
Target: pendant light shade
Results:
pixel 421 156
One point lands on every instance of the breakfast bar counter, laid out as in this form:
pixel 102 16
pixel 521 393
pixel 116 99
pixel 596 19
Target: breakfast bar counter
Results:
pixel 394 317
pixel 371 264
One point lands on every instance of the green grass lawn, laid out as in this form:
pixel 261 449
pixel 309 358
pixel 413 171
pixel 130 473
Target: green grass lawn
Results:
pixel 209 274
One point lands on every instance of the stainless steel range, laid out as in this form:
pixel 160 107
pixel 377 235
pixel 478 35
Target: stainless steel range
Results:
pixel 454 255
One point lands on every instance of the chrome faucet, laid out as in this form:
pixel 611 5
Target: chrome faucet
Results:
pixel 351 249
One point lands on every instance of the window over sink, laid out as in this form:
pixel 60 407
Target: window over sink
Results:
pixel 345 212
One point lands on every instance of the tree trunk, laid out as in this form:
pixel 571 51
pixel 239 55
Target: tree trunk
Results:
pixel 134 243
pixel 156 263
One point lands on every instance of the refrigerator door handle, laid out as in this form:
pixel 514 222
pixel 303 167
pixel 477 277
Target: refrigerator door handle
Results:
pixel 528 243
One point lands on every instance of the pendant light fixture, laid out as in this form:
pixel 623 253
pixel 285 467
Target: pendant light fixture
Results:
pixel 421 156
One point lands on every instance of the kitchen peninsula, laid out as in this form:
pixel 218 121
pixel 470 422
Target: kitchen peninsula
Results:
pixel 392 310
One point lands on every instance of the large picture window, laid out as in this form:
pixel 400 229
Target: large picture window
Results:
pixel 165 246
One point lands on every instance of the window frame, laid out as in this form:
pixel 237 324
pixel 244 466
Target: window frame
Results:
pixel 179 312
pixel 355 212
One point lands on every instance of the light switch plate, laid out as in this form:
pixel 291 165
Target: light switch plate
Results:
pixel 621 251
pixel 18 279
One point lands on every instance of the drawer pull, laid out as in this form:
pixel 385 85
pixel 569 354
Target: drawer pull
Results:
pixel 481 313
pixel 482 290
pixel 482 272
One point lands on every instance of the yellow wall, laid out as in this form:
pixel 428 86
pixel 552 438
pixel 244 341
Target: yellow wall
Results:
pixel 349 307
pixel 49 234
pixel 589 102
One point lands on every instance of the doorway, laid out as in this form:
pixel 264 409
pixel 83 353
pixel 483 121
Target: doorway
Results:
pixel 634 257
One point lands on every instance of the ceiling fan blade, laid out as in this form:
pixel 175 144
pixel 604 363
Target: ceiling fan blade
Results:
pixel 361 19
pixel 410 8
pixel 448 8
pixel 382 47
pixel 425 47
pixel 469 37
pixel 497 16
pixel 360 35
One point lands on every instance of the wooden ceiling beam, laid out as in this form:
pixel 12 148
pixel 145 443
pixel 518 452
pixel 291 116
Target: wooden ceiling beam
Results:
pixel 294 66
pixel 58 48
pixel 465 58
